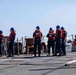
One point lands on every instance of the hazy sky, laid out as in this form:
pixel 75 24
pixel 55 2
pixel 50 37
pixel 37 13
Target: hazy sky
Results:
pixel 25 15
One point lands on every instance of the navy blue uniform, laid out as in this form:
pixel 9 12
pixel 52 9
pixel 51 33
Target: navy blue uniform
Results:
pixel 11 43
pixel 51 39
pixel 58 42
pixel 1 40
pixel 37 35
pixel 64 34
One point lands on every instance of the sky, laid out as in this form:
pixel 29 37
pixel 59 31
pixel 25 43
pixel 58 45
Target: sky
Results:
pixel 25 15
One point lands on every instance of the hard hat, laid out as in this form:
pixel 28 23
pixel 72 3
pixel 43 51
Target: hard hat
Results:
pixel 1 31
pixel 12 29
pixel 50 29
pixel 57 26
pixel 62 28
pixel 37 27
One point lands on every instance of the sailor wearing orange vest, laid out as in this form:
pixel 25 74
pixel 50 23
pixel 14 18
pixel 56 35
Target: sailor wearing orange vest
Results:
pixel 64 35
pixel 51 39
pixel 37 35
pixel 1 40
pixel 11 42
pixel 58 40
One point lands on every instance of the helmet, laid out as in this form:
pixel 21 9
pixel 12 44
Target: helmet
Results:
pixel 62 28
pixel 50 29
pixel 1 31
pixel 37 27
pixel 12 29
pixel 57 26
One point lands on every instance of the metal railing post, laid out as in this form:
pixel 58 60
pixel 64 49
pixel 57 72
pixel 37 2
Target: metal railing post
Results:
pixel 22 44
pixel 18 45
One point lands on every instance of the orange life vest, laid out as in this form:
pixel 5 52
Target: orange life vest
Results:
pixel 58 33
pixel 51 35
pixel 37 34
pixel 64 33
pixel 74 43
pixel 11 35
pixel 2 37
